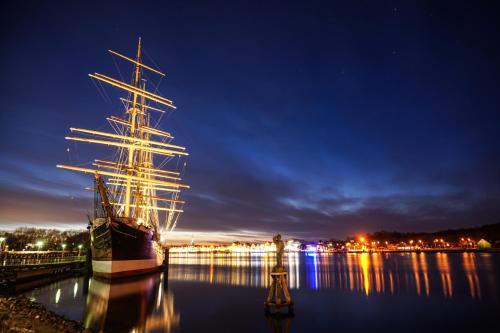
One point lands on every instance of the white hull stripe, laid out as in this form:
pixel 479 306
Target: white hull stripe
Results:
pixel 117 266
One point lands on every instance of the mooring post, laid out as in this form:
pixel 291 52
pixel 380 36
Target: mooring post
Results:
pixel 88 261
pixel 165 269
pixel 166 259
pixel 85 288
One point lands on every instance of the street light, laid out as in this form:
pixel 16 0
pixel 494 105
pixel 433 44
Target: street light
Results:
pixel 39 244
pixel 63 245
pixel 79 249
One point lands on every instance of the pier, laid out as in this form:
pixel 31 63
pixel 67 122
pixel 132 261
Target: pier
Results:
pixel 18 267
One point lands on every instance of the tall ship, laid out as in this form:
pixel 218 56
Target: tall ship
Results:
pixel 137 191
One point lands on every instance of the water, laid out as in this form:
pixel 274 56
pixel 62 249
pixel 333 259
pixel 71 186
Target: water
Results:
pixel 399 292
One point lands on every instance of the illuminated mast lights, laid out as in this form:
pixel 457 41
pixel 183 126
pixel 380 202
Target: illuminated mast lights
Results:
pixel 137 176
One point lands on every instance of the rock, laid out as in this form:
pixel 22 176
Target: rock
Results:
pixel 19 314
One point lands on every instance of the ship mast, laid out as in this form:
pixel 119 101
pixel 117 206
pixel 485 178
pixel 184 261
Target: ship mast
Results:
pixel 137 182
pixel 132 119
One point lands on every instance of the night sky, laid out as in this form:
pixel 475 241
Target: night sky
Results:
pixel 315 120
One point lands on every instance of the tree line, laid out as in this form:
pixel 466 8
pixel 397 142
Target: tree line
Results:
pixel 43 239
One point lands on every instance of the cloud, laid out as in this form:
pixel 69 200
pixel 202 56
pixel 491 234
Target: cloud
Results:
pixel 299 139
pixel 21 208
pixel 269 205
pixel 234 197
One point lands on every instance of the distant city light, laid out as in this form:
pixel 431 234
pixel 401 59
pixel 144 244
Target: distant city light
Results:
pixel 293 246
pixel 311 248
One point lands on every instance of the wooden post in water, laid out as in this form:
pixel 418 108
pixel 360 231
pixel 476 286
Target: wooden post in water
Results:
pixel 88 261
pixel 165 269
pixel 165 260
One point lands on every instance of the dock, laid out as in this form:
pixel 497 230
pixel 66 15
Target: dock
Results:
pixel 18 267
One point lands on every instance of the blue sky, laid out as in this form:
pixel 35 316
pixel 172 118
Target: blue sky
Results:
pixel 316 120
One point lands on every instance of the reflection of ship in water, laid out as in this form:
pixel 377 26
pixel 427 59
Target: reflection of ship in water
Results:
pixel 137 305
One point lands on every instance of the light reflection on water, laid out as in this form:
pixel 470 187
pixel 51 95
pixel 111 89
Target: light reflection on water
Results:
pixel 232 269
pixel 200 286
pixel 367 273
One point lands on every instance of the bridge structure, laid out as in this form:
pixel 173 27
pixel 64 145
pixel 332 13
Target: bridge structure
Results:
pixel 24 266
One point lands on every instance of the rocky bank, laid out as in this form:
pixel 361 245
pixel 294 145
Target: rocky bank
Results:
pixel 19 314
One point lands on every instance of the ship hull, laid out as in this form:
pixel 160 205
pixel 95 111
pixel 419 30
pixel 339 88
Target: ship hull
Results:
pixel 121 249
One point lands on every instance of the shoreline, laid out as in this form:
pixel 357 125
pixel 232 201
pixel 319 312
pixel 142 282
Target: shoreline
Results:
pixel 494 250
pixel 20 314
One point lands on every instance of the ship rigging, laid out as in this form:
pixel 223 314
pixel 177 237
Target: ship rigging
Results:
pixel 135 188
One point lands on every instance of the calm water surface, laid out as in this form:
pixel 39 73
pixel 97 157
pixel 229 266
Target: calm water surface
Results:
pixel 332 292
